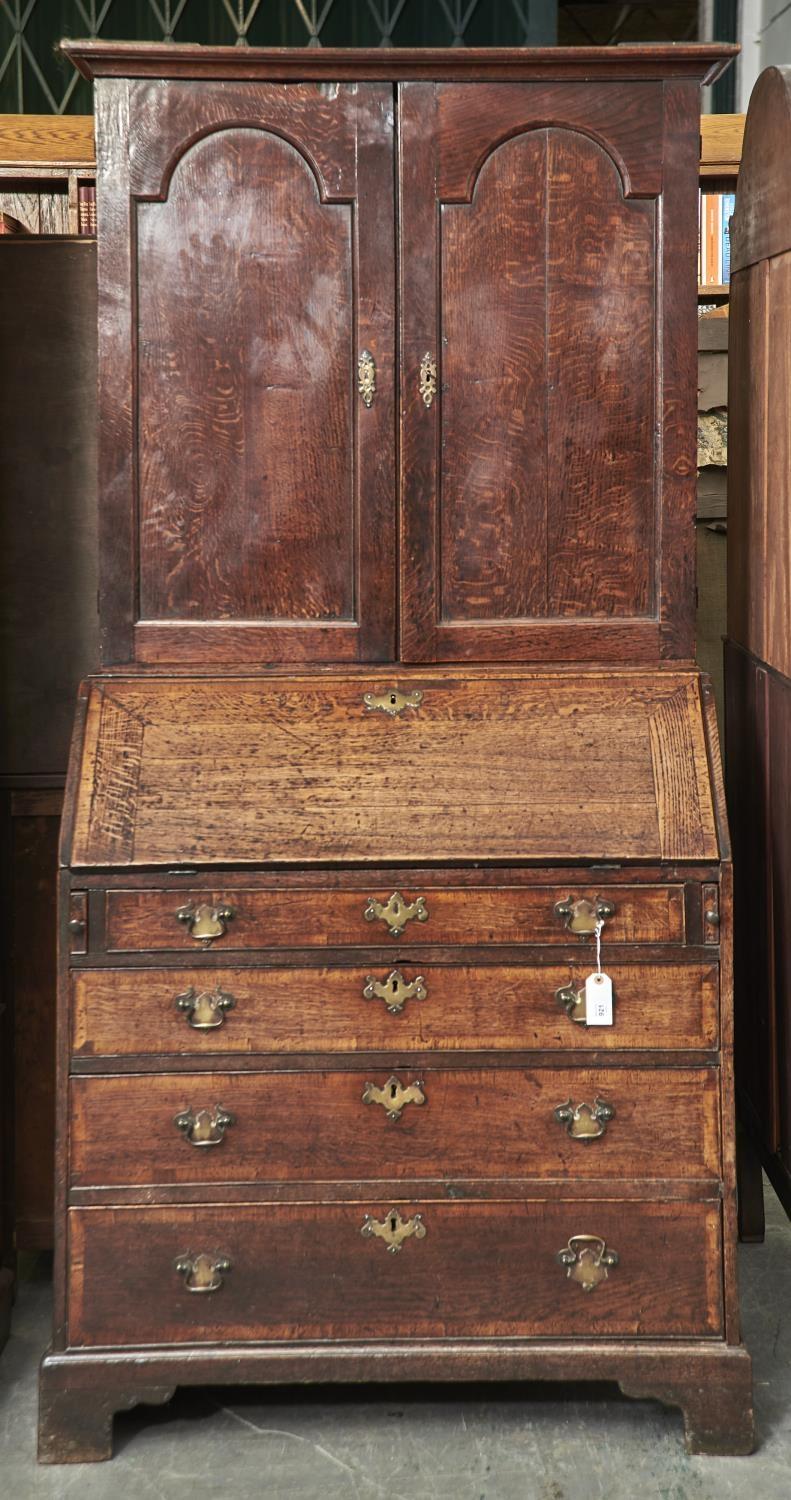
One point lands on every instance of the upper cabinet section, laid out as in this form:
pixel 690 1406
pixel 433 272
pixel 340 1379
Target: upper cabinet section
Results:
pixel 533 215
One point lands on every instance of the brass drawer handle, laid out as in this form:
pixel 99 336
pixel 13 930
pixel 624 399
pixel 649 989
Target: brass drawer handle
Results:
pixel 392 703
pixel 205 922
pixel 203 1272
pixel 573 1002
pixel 395 990
pixel 396 912
pixel 204 1127
pixel 393 1096
pixel 583 916
pixel 393 1229
pixel 587 1260
pixel 584 1122
pixel 427 383
pixel 366 377
pixel 207 1010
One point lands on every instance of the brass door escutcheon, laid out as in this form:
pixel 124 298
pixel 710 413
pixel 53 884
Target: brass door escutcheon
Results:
pixel 205 922
pixel 428 378
pixel 584 1122
pixel 587 1260
pixel 206 1010
pixel 393 1229
pixel 394 990
pixel 393 1096
pixel 204 1127
pixel 394 702
pixel 396 912
pixel 366 377
pixel 583 916
pixel 203 1272
pixel 573 1002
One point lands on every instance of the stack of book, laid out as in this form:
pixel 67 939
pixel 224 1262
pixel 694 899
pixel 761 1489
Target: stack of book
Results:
pixel 714 243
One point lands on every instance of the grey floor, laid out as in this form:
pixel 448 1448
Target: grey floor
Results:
pixel 493 1443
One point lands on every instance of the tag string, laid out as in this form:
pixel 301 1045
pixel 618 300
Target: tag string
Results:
pixel 599 926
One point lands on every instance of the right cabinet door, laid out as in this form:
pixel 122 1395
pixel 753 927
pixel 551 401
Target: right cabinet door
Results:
pixel 548 368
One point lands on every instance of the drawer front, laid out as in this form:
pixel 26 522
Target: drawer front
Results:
pixel 127 1012
pixel 296 918
pixel 352 1126
pixel 321 1271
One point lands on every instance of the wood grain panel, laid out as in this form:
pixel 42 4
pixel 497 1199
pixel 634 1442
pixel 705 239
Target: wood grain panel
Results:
pixel 125 1012
pixel 316 1127
pixel 776 580
pixel 306 1271
pixel 335 917
pixel 748 452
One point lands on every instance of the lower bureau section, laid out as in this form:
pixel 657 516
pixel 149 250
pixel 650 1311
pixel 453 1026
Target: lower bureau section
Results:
pixel 378 1270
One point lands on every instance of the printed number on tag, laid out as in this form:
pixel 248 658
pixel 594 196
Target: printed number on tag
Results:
pixel 598 1000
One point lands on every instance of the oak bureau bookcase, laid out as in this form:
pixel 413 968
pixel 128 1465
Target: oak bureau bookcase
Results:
pixel 398 712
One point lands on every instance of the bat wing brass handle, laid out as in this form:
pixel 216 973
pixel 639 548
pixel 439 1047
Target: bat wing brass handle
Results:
pixel 584 916
pixel 395 990
pixel 393 1097
pixel 204 1127
pixel 203 1272
pixel 205 922
pixel 396 912
pixel 584 1122
pixel 587 1260
pixel 393 1230
pixel 206 1010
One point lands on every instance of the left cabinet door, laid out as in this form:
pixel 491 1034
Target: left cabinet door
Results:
pixel 246 311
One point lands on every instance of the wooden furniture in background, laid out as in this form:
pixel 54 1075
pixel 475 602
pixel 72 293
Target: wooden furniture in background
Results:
pixel 720 153
pixel 47 172
pixel 758 649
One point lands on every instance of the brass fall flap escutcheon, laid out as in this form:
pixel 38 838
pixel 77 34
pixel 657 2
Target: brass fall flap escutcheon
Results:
pixel 583 916
pixel 587 1260
pixel 396 912
pixel 205 922
pixel 204 1127
pixel 394 990
pixel 584 1122
pixel 202 1272
pixel 366 377
pixel 428 378
pixel 392 703
pixel 393 1229
pixel 206 1010
pixel 393 1096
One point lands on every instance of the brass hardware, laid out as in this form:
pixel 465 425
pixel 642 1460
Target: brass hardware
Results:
pixel 206 1010
pixel 396 912
pixel 712 917
pixel 204 1127
pixel 573 1002
pixel 77 925
pixel 584 1122
pixel 394 1097
pixel 205 922
pixel 203 1273
pixel 393 702
pixel 428 378
pixel 587 1260
pixel 583 916
pixel 366 377
pixel 395 991
pixel 393 1229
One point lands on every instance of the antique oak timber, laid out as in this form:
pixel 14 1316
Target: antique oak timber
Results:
pixel 398 714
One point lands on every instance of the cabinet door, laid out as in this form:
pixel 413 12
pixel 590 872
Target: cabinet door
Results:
pixel 246 266
pixel 548 293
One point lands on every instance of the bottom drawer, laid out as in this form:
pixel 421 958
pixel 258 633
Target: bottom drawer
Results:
pixel 375 1270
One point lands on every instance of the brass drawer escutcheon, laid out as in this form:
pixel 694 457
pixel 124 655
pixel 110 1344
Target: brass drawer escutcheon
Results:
pixel 396 912
pixel 393 1229
pixel 394 702
pixel 203 1272
pixel 393 1096
pixel 395 990
pixel 583 916
pixel 587 1260
pixel 584 1122
pixel 206 1010
pixel 427 384
pixel 366 377
pixel 204 1127
pixel 205 922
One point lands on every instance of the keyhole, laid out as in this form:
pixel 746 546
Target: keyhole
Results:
pixel 392 1223
pixel 393 1090
pixel 393 699
pixel 394 986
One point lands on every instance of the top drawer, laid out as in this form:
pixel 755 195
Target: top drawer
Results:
pixel 298 917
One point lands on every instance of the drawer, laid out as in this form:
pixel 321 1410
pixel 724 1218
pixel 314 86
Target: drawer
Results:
pixel 479 1123
pixel 296 917
pixel 123 1012
pixel 463 1270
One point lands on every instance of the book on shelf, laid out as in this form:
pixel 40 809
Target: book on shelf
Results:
pixel 714 240
pixel 86 208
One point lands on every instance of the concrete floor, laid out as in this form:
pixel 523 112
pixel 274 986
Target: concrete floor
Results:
pixel 460 1443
